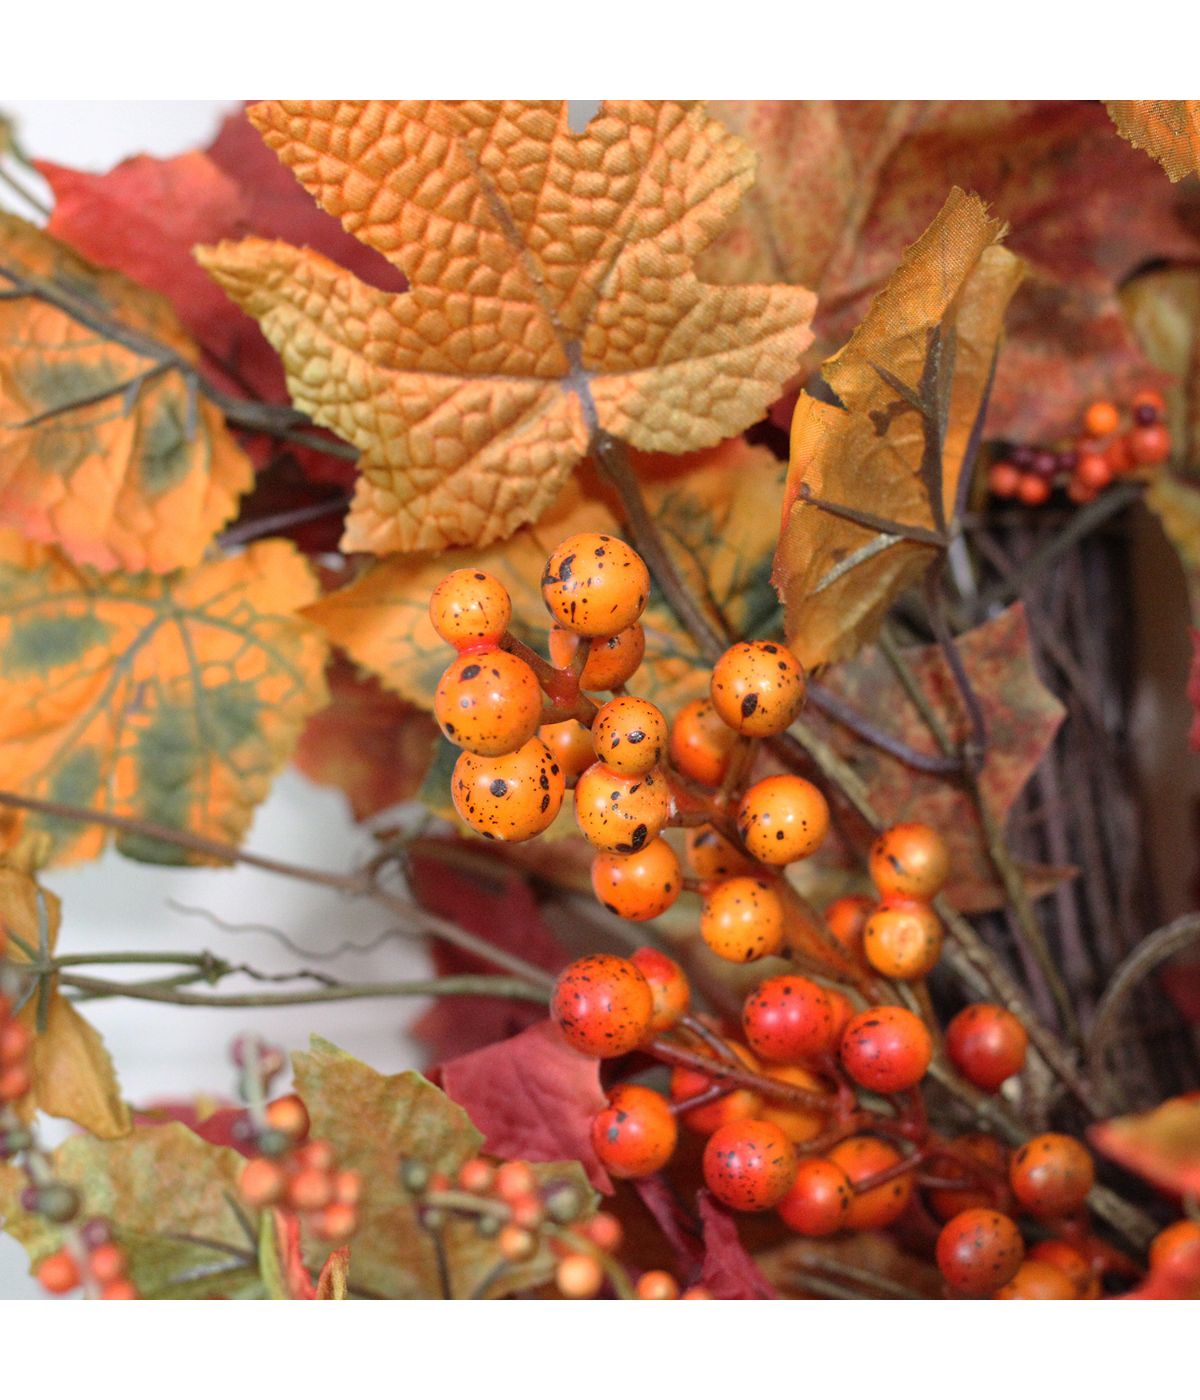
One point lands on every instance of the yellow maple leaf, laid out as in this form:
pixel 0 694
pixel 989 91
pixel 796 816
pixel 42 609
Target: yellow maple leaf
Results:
pixel 873 480
pixel 1168 131
pixel 73 1076
pixel 106 449
pixel 173 699
pixel 553 294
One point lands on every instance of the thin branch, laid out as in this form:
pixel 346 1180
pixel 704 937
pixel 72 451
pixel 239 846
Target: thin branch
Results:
pixel 850 718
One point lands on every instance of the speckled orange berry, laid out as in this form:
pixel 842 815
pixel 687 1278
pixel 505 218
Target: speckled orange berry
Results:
pixel 470 608
pixel 701 743
pixel 749 1165
pixel 711 857
pixel 595 585
pixel 846 918
pixel 488 702
pixel 800 1124
pixel 886 1049
pixel 1052 1174
pixel 903 939
pixel 706 1118
pixel 781 819
pixel 668 986
pixel 979 1251
pixel 509 797
pixel 602 1005
pixel 910 860
pixel 619 811
pixel 638 886
pixel 788 1018
pixel 1073 1263
pixel 986 1043
pixel 757 688
pixel 630 735
pixel 610 660
pixel 742 919
pixel 880 1206
pixel 635 1135
pixel 1101 419
pixel 571 745
pixel 1037 1280
pixel 819 1199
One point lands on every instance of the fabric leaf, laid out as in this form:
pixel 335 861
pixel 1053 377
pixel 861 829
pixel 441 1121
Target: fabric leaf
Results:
pixel 1161 1146
pixel 1168 131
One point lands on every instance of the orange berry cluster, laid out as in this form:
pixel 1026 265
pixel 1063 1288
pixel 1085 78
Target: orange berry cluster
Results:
pixel 100 1263
pixel 1104 449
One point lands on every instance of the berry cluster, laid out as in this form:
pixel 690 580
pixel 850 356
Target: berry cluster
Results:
pixel 1104 449
pixel 99 1263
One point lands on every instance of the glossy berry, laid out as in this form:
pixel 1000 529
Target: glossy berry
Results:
pixel 788 1018
pixel 657 1285
pixel 799 1123
pixel 1149 446
pixel 610 660
pixel 511 796
pixel 979 1251
pixel 1033 490
pixel 846 918
pixel 595 585
pixel 602 1005
pixel 1093 471
pixel 1176 1247
pixel 1003 479
pixel 757 688
pixel 738 1104
pixel 289 1116
pixel 119 1291
pixel 16 1040
pixel 604 1231
pixel 886 1049
pixel 470 608
pixel 1052 1174
pixel 711 857
pixel 880 1206
pixel 514 1180
pixel 630 735
pixel 701 743
pixel 571 745
pixel 1101 419
pixel 579 1276
pixel 1071 1262
pixel 309 1189
pixel 336 1223
pixel 488 702
pixel 910 860
pixel 782 819
pixel 58 1273
pixel 742 919
pixel 819 1200
pixel 749 1165
pixel 635 1135
pixel 977 1193
pixel 621 812
pixel 262 1182
pixel 986 1044
pixel 903 939
pixel 638 886
pixel 1037 1280
pixel 668 985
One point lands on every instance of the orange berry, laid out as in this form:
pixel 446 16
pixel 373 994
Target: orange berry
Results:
pixel 979 1251
pixel 610 660
pixel 800 1124
pixel 579 1276
pixel 605 1232
pixel 121 1290
pixel 638 886
pixel 782 819
pixel 571 745
pixel 846 918
pixel 1033 490
pixel 986 1044
pixel 657 1285
pixel 621 812
pixel 1178 1244
pixel 15 1040
pixel 488 702
pixel 1093 471
pixel 58 1273
pixel 309 1189
pixel 514 1180
pixel 903 939
pixel 749 1165
pixel 701 743
pixel 697 1293
pixel 603 1005
pixel 880 1206
pixel 288 1115
pixel 595 585
pixel 886 1049
pixel 1036 1279
pixel 336 1222
pixel 630 735
pixel 636 1134
pixel 668 986
pixel 739 1103
pixel 1101 419
pixel 788 1018
pixel 742 919
pixel 107 1262
pixel 262 1182
pixel 15 1083
pixel 1070 1261
pixel 757 688
pixel 477 1175
pixel 509 797
pixel 911 860
pixel 1003 479
pixel 1118 456
pixel 711 857
pixel 516 1244
pixel 528 1211
pixel 1150 446
pixel 1052 1174
pixel 470 609
pixel 819 1200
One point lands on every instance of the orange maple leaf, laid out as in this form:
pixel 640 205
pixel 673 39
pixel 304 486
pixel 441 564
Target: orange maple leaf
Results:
pixel 1168 131
pixel 106 447
pixel 172 699
pixel 553 295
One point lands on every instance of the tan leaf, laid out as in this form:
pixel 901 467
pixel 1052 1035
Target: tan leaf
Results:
pixel 1168 131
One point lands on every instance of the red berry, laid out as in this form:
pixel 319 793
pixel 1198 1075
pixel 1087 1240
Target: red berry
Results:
pixel 1003 479
pixel 910 860
pixel 992 1156
pixel 1093 471
pixel 58 1273
pixel 15 1040
pixel 788 1018
pixel 782 819
pixel 749 1164
pixel 1150 445
pixel 603 1005
pixel 1036 1279
pixel 514 1180
pixel 739 1103
pixel 1033 490
pixel 1177 1245
pixel 579 1276
pixel 987 1044
pixel 668 986
pixel 800 1124
pixel 846 918
pixel 1052 1174
pixel 635 1135
pixel 121 1290
pixel 819 1200
pixel 879 1206
pixel 1069 1261
pixel 979 1251
pixel 107 1263
pixel 886 1049
pixel 309 1189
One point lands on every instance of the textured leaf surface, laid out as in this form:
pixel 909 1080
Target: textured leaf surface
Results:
pixel 552 291
pixel 123 466
pixel 1168 131
pixel 1022 718
pixel 844 187
pixel 837 576
pixel 728 1270
pixel 175 699
pixel 375 1120
pixel 1162 1146
pixel 73 1076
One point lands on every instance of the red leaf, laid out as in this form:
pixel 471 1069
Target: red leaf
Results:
pixel 1162 1146
pixel 533 1098
pixel 1178 1277
pixel 208 1119
pixel 672 1219
pixel 728 1272
pixel 291 1260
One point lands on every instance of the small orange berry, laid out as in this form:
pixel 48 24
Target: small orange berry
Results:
pixel 579 1276
pixel 261 1182
pixel 657 1285
pixel 1101 419
pixel 58 1273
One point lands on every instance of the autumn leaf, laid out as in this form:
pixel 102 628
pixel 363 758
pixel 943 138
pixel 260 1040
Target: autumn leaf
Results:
pixel 1168 131
pixel 873 482
pixel 172 699
pixel 1021 716
pixel 374 1121
pixel 1163 309
pixel 371 745
pixel 844 187
pixel 73 1076
pixel 1162 1146
pixel 553 293
pixel 106 448
pixel 728 1271
pixel 532 1097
